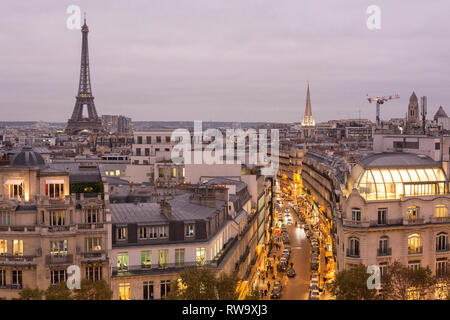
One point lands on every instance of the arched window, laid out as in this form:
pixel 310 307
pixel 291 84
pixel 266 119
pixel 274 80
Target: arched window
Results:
pixel 442 242
pixel 383 246
pixel 353 247
pixel 414 243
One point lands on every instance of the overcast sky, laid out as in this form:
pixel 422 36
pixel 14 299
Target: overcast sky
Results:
pixel 228 60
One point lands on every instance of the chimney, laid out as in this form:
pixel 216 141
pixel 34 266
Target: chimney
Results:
pixel 166 208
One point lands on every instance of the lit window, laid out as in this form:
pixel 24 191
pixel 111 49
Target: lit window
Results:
pixel 122 233
pixel 174 172
pixel 163 258
pixel 412 213
pixel 54 190
pixel 201 256
pixel 57 217
pixel 122 261
pixel 15 189
pixel 3 247
pixel 189 230
pixel 93 244
pixel 117 172
pixel 58 247
pixel 124 291
pixel 146 259
pixel 414 243
pixel 18 247
pixel 441 211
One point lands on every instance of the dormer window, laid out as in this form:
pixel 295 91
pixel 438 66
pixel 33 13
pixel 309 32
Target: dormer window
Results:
pixel 412 213
pixel 356 214
pixel 189 230
pixel 122 233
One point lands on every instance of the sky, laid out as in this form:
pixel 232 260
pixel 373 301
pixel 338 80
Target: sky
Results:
pixel 228 60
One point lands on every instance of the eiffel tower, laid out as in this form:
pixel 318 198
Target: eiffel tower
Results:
pixel 77 123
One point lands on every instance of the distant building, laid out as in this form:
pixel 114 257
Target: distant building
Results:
pixel 413 110
pixel 308 123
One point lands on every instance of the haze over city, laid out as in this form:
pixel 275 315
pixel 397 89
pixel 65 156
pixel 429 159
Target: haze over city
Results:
pixel 224 61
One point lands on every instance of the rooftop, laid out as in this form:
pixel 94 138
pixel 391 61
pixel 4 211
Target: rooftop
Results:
pixel 398 160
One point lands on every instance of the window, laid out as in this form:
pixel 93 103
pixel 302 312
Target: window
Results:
pixel 2 277
pixel 356 214
pixel 440 211
pixel 146 259
pixel 58 247
pixel 57 276
pixel 179 257
pixel 383 246
pixel 173 172
pixel 147 152
pixel 414 243
pixel 165 288
pixel 142 233
pixel 124 291
pixel 17 278
pixel 414 265
pixel 382 216
pixel 93 244
pixel 15 189
pixel 122 261
pixel 138 152
pixel 94 272
pixel 57 217
pixel 189 230
pixel 5 218
pixel 353 250
pixel 182 172
pixel 92 215
pixel 148 139
pixel 3 247
pixel 122 233
pixel 158 139
pixel 437 146
pixel 163 231
pixel 167 139
pixel 161 172
pixel 148 290
pixel 54 190
pixel 167 149
pixel 412 213
pixel 383 269
pixel 18 247
pixel 163 258
pixel 150 232
pixel 201 256
pixel 139 140
pixel 442 242
pixel 441 267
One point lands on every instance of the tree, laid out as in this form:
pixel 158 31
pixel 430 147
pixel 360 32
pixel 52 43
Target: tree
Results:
pixel 403 283
pixel 352 284
pixel 58 292
pixel 202 284
pixel 226 286
pixel 90 290
pixel 30 294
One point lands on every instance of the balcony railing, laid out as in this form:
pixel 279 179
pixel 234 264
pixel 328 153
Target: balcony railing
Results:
pixel 11 286
pixel 58 228
pixel 386 222
pixel 417 250
pixel 16 259
pixel 440 219
pixel 443 248
pixel 352 253
pixel 59 259
pixel 382 252
pixel 155 268
pixel 413 221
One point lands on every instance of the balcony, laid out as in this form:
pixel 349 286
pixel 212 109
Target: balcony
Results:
pixel 58 228
pixel 9 259
pixel 353 254
pixel 386 223
pixel 416 250
pixel 17 228
pixel 90 226
pixel 93 256
pixel 11 286
pixel 384 252
pixel 443 248
pixel 409 221
pixel 154 269
pixel 440 220
pixel 58 259
pixel 355 223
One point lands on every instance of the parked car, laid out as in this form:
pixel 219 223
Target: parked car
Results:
pixel 275 294
pixel 291 273
pixel 286 251
pixel 286 240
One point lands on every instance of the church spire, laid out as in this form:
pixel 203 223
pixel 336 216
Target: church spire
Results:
pixel 308 119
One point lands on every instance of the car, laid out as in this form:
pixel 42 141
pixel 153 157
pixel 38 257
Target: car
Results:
pixel 291 273
pixel 314 282
pixel 275 294
pixel 286 240
pixel 288 248
pixel 286 251
pixel 277 285
pixel 285 256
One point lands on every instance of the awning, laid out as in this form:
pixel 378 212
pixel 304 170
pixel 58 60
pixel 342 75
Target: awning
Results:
pixel 13 181
pixel 54 181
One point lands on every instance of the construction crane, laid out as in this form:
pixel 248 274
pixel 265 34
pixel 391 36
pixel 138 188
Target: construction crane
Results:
pixel 381 100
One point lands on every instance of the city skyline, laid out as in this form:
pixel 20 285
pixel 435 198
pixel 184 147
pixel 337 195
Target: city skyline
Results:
pixel 209 61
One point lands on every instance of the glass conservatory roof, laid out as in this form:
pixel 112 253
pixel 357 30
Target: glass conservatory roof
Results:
pixel 393 183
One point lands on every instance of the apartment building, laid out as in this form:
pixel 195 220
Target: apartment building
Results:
pixel 395 207
pixel 44 229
